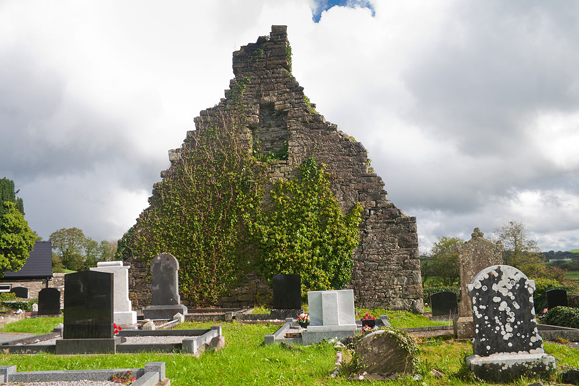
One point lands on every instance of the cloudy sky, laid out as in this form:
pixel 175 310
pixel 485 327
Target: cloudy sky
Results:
pixel 469 109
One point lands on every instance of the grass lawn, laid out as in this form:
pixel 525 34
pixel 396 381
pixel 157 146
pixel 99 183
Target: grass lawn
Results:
pixel 572 275
pixel 246 361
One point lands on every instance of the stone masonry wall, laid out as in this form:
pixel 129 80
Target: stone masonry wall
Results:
pixel 35 286
pixel 386 263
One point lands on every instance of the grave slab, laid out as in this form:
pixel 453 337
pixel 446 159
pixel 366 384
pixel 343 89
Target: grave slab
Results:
pixel 444 303
pixel 287 292
pixel 556 297
pixel 165 301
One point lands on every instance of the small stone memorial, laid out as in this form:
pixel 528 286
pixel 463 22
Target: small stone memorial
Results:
pixel 20 292
pixel 332 315
pixel 473 256
pixel 165 301
pixel 123 310
pixel 557 297
pixel 507 344
pixel 49 301
pixel 386 352
pixel 88 314
pixel 444 304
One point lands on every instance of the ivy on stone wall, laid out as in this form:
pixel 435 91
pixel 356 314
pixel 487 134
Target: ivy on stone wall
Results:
pixel 305 232
pixel 200 214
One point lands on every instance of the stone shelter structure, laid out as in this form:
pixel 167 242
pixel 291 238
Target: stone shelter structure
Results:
pixel 278 114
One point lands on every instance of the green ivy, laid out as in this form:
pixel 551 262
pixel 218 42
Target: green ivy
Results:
pixel 200 214
pixel 305 232
pixel 561 316
pixel 288 53
pixel 309 104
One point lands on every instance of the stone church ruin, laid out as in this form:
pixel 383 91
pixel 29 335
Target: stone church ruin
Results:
pixel 386 269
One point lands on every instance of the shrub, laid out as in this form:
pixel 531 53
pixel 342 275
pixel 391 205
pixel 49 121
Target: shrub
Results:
pixel 561 316
pixel 541 288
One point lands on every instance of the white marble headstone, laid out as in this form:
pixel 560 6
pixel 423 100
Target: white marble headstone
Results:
pixel 123 311
pixel 331 310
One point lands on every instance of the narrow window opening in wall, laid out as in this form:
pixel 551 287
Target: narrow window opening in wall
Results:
pixel 5 287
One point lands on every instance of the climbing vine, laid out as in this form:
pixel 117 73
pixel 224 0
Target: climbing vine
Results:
pixel 200 214
pixel 305 232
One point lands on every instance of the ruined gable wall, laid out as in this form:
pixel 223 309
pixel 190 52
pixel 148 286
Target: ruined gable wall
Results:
pixel 387 266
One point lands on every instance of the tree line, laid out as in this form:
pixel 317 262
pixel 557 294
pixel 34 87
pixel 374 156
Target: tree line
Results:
pixel 520 251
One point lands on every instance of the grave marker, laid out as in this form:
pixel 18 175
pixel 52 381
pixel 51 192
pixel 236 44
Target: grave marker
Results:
pixel 444 303
pixel 507 343
pixel 557 297
pixel 473 256
pixel 20 292
pixel 165 301
pixel 332 315
pixel 123 309
pixel 287 292
pixel 49 301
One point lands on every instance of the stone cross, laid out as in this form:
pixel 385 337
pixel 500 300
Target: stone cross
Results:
pixel 473 256
pixel 504 312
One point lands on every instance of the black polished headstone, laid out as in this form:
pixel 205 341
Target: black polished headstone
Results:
pixel 287 292
pixel 49 301
pixel 444 303
pixel 88 305
pixel 20 292
pixel 165 280
pixel 557 297
pixel 503 312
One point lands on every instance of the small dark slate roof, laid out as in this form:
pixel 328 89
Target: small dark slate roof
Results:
pixel 37 266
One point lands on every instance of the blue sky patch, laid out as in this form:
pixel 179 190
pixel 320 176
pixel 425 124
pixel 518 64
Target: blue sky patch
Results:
pixel 324 5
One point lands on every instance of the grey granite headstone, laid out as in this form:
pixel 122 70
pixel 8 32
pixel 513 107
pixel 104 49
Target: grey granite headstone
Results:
pixel 557 297
pixel 507 343
pixel 49 301
pixel 88 305
pixel 20 292
pixel 165 278
pixel 444 303
pixel 165 301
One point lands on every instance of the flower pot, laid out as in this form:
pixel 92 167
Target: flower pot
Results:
pixel 303 324
pixel 369 323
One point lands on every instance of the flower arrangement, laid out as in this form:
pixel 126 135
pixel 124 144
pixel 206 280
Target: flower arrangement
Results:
pixel 366 329
pixel 304 318
pixel 117 328
pixel 124 377
pixel 368 317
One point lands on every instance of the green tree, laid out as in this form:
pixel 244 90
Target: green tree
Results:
pixel 305 232
pixel 8 193
pixel 444 263
pixel 69 244
pixel 520 251
pixel 108 250
pixel 16 238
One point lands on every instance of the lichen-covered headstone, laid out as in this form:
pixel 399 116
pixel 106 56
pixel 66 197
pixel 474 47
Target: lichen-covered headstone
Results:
pixel 165 301
pixel 503 312
pixel 507 343
pixel 386 352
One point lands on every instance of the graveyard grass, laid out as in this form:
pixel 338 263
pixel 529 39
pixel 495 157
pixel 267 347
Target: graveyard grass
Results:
pixel 245 360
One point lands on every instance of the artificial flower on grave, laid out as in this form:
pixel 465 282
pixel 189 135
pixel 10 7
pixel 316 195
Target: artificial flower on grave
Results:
pixel 304 318
pixel 368 317
pixel 117 328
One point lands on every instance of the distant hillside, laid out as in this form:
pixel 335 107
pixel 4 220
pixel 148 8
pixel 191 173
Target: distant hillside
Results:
pixel 574 254
pixel 574 251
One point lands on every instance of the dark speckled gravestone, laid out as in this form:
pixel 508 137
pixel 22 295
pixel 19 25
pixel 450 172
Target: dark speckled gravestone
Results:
pixel 507 343
pixel 557 297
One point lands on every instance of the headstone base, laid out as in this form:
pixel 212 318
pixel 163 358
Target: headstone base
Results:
pixel 125 318
pixel 164 311
pixel 87 346
pixel 283 313
pixel 310 336
pixel 463 327
pixel 507 367
pixel 344 327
